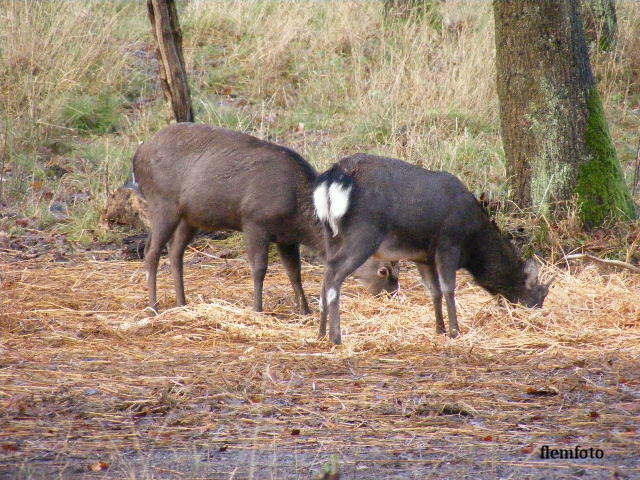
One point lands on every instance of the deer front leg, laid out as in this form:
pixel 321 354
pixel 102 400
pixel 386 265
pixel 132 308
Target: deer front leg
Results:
pixel 430 281
pixel 447 260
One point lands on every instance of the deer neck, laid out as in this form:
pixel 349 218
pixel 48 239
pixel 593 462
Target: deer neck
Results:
pixel 493 262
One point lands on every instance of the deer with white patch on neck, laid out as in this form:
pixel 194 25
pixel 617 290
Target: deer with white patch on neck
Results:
pixel 397 211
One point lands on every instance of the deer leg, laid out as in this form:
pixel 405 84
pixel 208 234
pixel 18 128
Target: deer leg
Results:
pixel 181 238
pixel 353 252
pixel 147 243
pixel 323 312
pixel 447 260
pixel 163 225
pixel 257 240
pixel 430 281
pixel 290 256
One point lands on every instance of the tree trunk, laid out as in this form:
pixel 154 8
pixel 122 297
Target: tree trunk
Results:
pixel 173 75
pixel 600 22
pixel 555 135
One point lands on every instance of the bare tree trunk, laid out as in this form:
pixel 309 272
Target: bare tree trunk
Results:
pixel 555 135
pixel 173 75
pixel 600 22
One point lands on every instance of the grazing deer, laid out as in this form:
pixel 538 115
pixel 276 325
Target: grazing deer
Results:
pixel 199 177
pixel 397 211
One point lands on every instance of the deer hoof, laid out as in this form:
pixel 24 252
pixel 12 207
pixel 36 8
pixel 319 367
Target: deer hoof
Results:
pixel 454 333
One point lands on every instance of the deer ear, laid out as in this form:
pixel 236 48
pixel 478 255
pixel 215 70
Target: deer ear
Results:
pixel 530 271
pixel 383 272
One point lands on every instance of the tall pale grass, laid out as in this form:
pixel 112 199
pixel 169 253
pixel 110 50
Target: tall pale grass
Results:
pixel 400 88
pixel 52 49
pixel 356 81
pixel 53 56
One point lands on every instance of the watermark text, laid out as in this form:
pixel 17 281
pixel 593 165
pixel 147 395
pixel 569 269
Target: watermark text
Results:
pixel 576 453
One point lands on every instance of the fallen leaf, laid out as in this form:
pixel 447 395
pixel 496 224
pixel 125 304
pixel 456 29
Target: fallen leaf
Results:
pixel 10 447
pixel 98 466
pixel 546 391
pixel 593 414
pixel 488 438
pixel 528 449
pixel 295 431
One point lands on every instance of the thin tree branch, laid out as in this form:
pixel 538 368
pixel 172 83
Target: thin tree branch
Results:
pixel 593 258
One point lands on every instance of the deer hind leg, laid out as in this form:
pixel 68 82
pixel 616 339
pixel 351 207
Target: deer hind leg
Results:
pixel 343 258
pixel 447 260
pixel 163 224
pixel 430 281
pixel 323 312
pixel 290 256
pixel 181 238
pixel 257 240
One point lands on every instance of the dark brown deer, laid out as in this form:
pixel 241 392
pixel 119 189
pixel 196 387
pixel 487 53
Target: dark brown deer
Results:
pixel 199 177
pixel 397 211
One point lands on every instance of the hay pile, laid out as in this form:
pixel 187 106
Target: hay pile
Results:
pixel 90 384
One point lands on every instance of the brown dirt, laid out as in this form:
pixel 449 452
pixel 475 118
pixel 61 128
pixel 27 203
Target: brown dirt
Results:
pixel 92 387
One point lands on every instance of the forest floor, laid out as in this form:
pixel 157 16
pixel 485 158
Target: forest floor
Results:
pixel 91 387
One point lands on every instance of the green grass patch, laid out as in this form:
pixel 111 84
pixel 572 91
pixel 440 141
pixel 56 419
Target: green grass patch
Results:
pixel 96 114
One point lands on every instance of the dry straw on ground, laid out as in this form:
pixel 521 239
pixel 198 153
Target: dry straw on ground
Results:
pixel 89 383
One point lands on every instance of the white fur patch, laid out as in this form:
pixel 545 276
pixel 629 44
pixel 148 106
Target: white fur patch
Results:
pixel 321 304
pixel 331 203
pixel 321 202
pixel 338 205
pixel 445 287
pixel 331 295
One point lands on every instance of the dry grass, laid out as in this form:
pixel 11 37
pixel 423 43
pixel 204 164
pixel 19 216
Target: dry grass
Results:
pixel 78 85
pixel 86 377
